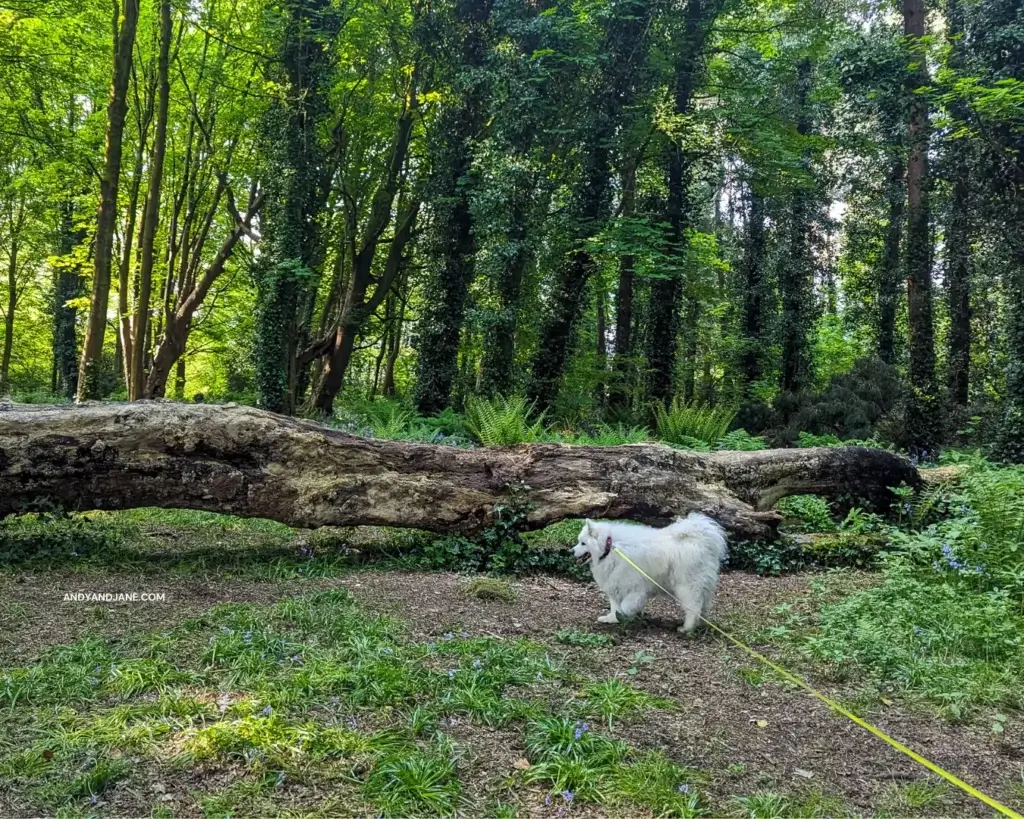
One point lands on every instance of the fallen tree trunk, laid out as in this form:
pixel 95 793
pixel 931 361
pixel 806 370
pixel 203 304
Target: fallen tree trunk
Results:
pixel 242 461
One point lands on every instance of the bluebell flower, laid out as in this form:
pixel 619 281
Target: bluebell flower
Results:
pixel 918 631
pixel 267 711
pixel 389 651
pixel 448 635
pixel 477 664
pixel 581 729
pixel 567 795
pixel 547 799
pixel 451 673
pixel 684 788
pixel 540 676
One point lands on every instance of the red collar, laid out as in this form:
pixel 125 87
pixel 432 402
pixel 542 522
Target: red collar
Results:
pixel 607 548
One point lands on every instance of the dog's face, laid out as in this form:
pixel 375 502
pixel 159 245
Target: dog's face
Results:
pixel 589 545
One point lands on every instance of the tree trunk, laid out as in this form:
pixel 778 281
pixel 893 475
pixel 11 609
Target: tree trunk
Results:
pixel 179 380
pixel 92 349
pixel 754 291
pixel 247 462
pixel 151 219
pixel 958 235
pixel 12 305
pixel 454 246
pixel 67 286
pixel 923 422
pixel 624 53
pixel 293 161
pixel 796 279
pixel 890 273
pixel 667 292
pixel 619 395
pixel 355 310
pixel 178 324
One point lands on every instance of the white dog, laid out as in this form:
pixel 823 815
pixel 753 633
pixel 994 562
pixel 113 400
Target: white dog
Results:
pixel 683 558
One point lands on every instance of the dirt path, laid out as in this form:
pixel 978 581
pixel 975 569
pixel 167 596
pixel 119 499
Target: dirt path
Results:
pixel 749 734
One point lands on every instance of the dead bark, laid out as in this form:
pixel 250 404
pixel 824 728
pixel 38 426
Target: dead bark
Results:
pixel 247 462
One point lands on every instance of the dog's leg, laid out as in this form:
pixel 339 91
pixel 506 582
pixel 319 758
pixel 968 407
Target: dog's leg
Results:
pixel 612 616
pixel 692 606
pixel 633 604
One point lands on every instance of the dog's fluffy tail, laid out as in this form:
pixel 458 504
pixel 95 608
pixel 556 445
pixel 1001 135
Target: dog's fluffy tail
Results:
pixel 704 531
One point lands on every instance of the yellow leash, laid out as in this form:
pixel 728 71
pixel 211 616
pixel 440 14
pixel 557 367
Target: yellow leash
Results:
pixel 835 706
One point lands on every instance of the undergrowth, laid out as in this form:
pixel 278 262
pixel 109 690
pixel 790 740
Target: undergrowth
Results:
pixel 946 621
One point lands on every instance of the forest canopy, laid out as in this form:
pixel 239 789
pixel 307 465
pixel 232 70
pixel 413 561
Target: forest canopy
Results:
pixel 805 211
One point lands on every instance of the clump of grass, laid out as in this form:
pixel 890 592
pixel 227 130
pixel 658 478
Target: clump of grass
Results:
pixel 423 782
pixel 692 425
pixel 613 699
pixel 489 588
pixel 769 805
pixel 663 787
pixel 913 799
pixel 589 639
pixel 503 421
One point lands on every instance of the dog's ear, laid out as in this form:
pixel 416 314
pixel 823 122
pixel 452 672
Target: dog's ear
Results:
pixel 591 528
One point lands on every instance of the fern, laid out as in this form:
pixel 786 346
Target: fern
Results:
pixel 695 426
pixel 739 440
pixel 503 421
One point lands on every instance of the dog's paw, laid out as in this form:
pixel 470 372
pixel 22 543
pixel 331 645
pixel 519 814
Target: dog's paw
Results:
pixel 608 618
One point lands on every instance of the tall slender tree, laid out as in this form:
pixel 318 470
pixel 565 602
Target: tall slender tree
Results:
pixel 924 423
pixel 796 277
pixel 667 291
pixel 141 327
pixel 126 21
pixel 958 230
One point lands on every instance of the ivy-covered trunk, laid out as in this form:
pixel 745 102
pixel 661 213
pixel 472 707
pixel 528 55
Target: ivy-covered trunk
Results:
pixel 754 290
pixel 452 242
pixel 621 58
pixel 666 292
pixel 923 421
pixel 890 274
pixel 958 235
pixel 796 277
pixel 67 286
pixel 293 173
pixel 622 362
pixel 1011 442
